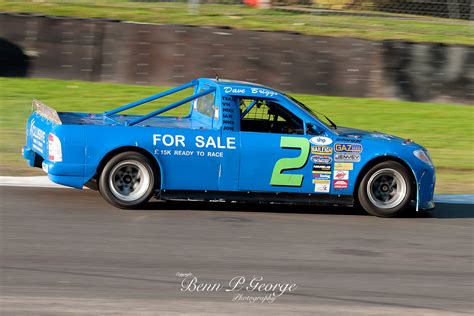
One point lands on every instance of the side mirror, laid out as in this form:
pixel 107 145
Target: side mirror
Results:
pixel 311 129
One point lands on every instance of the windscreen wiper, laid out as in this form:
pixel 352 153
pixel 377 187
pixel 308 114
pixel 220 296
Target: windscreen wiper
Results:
pixel 329 120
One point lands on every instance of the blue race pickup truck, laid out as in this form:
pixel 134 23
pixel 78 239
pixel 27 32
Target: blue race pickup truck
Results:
pixel 240 142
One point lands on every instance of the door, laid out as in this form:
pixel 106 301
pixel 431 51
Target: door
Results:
pixel 274 150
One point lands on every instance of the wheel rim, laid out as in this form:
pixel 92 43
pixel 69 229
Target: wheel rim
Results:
pixel 129 180
pixel 386 188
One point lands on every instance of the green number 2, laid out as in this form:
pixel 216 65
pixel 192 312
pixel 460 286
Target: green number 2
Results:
pixel 291 180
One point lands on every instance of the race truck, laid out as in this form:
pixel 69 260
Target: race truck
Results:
pixel 239 142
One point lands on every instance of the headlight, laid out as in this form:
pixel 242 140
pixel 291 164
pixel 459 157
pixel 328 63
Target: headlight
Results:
pixel 424 156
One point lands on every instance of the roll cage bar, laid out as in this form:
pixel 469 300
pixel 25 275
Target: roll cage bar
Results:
pixel 193 83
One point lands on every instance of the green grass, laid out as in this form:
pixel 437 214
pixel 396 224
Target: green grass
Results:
pixel 446 130
pixel 374 28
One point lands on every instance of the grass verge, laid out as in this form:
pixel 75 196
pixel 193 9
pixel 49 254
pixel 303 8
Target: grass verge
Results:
pixel 368 27
pixel 446 130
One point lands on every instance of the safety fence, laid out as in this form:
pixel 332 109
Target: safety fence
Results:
pixel 453 9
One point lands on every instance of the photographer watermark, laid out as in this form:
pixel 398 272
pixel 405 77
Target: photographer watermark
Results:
pixel 253 289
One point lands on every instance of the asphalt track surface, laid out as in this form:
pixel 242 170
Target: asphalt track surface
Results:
pixel 68 252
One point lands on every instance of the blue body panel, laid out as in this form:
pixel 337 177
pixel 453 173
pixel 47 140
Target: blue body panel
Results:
pixel 207 151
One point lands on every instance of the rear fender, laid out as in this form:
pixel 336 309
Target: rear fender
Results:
pixel 95 172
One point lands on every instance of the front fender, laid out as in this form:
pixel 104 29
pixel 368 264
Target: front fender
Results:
pixel 423 174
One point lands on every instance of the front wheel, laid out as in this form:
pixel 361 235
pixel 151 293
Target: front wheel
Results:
pixel 385 190
pixel 127 180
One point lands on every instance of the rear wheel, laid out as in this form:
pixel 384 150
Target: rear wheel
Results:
pixel 385 190
pixel 127 180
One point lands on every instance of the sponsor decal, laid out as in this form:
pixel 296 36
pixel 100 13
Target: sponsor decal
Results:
pixel 322 176
pixel 381 135
pixel 349 140
pixel 321 168
pixel 321 150
pixel 321 159
pixel 350 148
pixel 340 184
pixel 343 166
pixel 341 175
pixel 38 137
pixel 346 157
pixel 320 140
pixel 322 186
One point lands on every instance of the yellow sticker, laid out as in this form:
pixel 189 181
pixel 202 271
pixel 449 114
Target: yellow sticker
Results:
pixel 321 181
pixel 343 166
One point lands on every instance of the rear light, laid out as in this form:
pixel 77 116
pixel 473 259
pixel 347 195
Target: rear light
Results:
pixel 55 153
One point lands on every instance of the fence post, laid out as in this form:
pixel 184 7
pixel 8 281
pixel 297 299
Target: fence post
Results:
pixel 264 4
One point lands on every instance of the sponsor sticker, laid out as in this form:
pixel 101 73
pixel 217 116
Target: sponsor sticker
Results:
pixel 349 140
pixel 322 186
pixel 341 175
pixel 322 176
pixel 343 166
pixel 347 157
pixel 321 159
pixel 38 137
pixel 322 169
pixel 321 150
pixel 341 184
pixel 320 140
pixel 381 135
pixel 353 136
pixel 350 148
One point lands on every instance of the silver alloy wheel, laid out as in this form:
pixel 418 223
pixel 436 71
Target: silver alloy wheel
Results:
pixel 386 188
pixel 129 180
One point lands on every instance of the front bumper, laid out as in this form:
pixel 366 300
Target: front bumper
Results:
pixel 426 186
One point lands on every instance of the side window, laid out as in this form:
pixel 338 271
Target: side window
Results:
pixel 205 104
pixel 267 116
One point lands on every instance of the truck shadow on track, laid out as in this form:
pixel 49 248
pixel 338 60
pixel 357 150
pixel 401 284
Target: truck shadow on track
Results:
pixel 252 208
pixel 450 210
pixel 442 210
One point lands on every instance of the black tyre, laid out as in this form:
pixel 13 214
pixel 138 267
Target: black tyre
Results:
pixel 127 180
pixel 385 190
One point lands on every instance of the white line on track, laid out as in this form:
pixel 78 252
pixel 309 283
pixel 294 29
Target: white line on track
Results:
pixel 44 182
pixel 39 182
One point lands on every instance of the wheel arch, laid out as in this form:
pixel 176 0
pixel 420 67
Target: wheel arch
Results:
pixel 375 161
pixel 92 183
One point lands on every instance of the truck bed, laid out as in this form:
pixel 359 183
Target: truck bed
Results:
pixel 77 118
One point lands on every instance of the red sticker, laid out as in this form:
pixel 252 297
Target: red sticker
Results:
pixel 340 184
